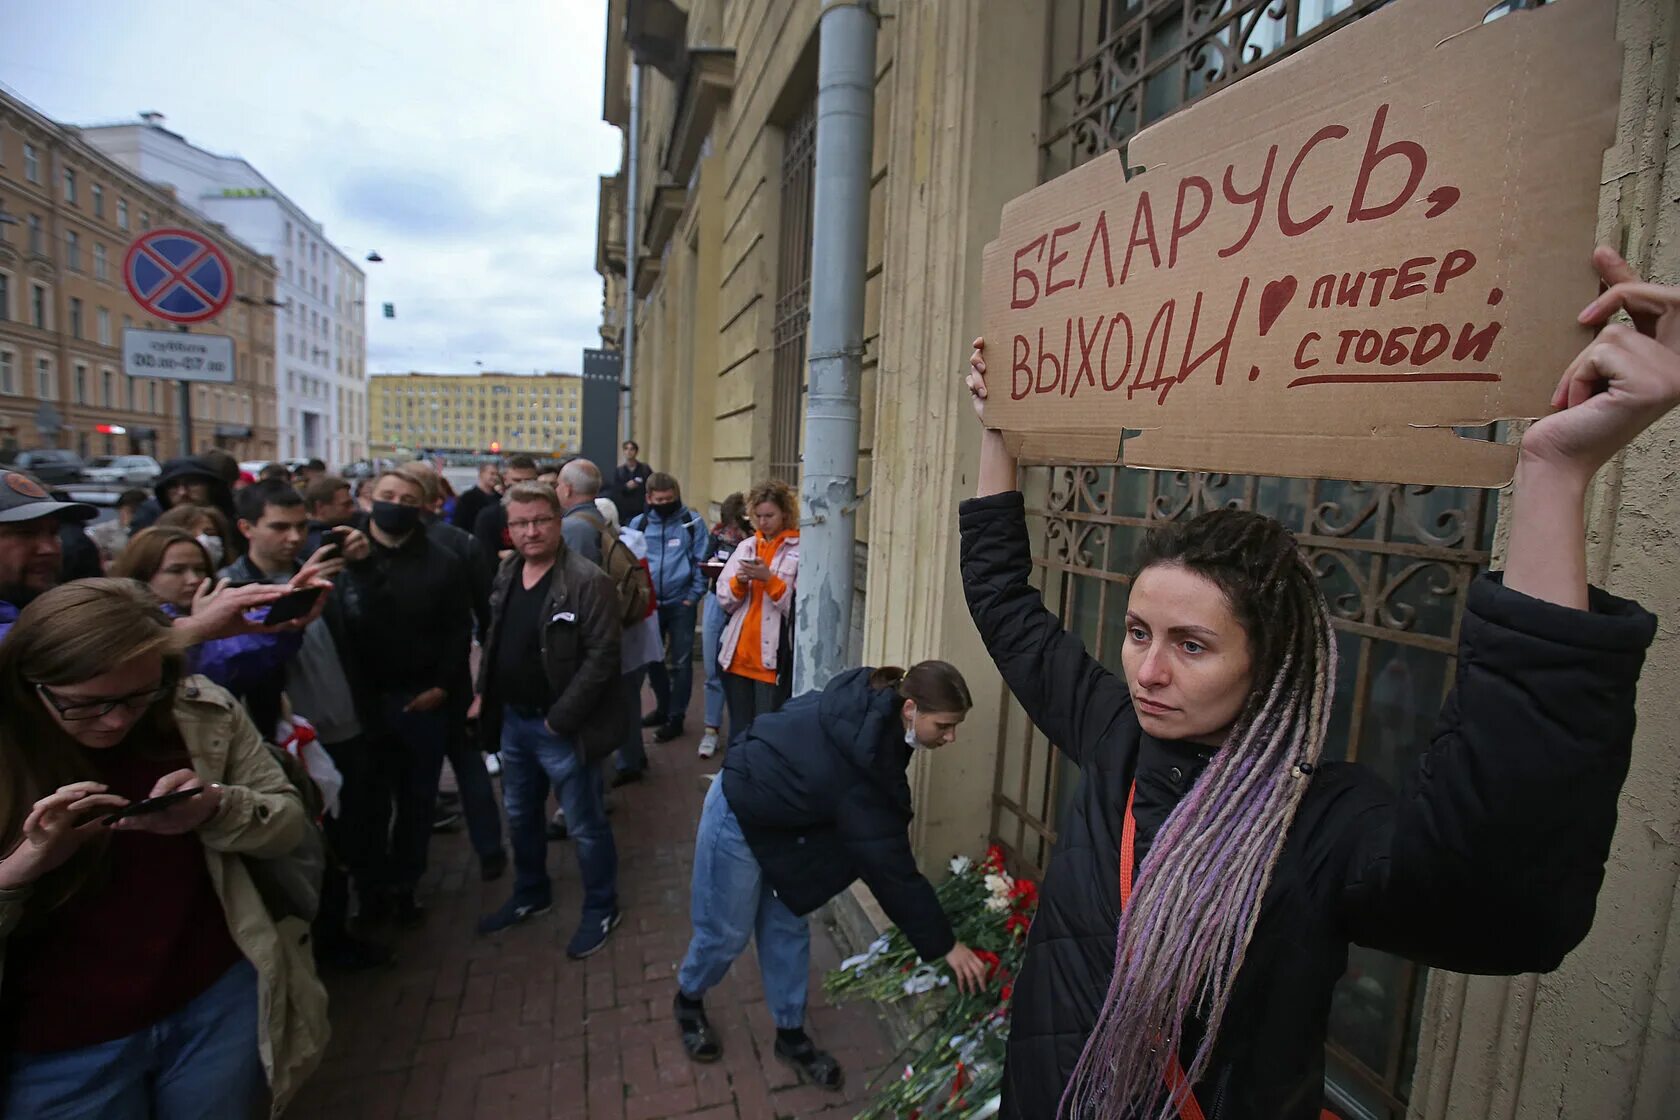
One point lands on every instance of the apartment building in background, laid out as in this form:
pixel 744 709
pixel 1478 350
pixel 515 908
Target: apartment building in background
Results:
pixel 475 413
pixel 68 214
pixel 973 105
pixel 320 346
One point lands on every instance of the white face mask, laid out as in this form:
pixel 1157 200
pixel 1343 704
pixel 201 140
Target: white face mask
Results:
pixel 212 545
pixel 910 739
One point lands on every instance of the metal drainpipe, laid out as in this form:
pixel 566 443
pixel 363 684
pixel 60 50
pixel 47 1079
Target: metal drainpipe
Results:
pixel 626 420
pixel 839 248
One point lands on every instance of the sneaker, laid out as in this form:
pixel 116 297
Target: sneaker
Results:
pixel 668 732
pixel 653 719
pixel 512 913
pixel 591 936
pixel 708 743
pixel 446 820
pixel 493 763
pixel 557 825
pixel 492 867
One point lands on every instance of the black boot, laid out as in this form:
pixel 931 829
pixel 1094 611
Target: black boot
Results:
pixel 698 1040
pixel 815 1066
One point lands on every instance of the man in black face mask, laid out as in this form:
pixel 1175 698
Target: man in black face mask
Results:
pixel 408 616
pixel 678 542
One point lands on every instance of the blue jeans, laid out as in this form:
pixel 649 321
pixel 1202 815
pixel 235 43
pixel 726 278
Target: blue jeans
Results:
pixel 414 748
pixel 730 903
pixel 713 618
pixel 533 758
pixel 673 679
pixel 632 756
pixel 200 1063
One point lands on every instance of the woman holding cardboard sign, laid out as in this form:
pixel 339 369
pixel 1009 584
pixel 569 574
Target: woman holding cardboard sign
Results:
pixel 1211 873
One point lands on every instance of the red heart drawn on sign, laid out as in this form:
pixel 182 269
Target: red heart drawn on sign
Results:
pixel 1441 199
pixel 1273 300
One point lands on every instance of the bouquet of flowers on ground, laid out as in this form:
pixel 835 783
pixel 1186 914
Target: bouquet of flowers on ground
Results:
pixel 953 1068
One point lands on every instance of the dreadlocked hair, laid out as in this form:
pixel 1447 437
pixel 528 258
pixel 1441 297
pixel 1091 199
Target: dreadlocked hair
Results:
pixel 1197 897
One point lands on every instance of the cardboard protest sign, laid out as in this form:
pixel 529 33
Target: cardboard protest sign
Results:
pixel 1325 267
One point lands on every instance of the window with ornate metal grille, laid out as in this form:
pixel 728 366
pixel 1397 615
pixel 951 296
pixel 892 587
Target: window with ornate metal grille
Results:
pixel 1394 562
pixel 793 295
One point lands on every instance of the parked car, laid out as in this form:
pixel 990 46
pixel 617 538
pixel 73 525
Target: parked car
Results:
pixel 127 470
pixel 364 468
pixel 53 466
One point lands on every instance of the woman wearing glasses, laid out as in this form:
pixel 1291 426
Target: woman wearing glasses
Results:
pixel 140 971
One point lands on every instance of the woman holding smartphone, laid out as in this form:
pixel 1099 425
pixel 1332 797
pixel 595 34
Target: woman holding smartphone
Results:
pixel 756 589
pixel 141 974
pixel 1212 870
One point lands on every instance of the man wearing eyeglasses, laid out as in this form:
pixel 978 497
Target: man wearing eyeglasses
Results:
pixel 548 693
pixel 30 548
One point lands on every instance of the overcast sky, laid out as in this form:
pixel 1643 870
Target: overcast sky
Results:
pixel 463 141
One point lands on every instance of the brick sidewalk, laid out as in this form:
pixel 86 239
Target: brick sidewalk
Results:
pixel 506 1027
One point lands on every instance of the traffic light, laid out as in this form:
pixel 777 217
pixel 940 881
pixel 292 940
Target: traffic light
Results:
pixel 495 447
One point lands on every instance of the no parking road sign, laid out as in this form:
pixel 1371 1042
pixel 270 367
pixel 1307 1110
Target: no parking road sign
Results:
pixel 178 275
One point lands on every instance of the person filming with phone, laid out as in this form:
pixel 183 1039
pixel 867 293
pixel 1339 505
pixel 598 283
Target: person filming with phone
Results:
pixel 141 971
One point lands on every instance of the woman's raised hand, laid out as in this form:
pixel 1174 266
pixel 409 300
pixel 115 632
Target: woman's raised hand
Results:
pixel 976 379
pixel 1622 382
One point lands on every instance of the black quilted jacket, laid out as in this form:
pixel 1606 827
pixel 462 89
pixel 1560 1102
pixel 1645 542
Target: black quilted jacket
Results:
pixel 1489 861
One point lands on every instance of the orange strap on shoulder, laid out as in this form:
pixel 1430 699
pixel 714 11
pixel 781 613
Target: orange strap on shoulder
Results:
pixel 1189 1109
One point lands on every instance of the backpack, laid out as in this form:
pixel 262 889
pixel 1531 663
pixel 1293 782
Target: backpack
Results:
pixel 630 574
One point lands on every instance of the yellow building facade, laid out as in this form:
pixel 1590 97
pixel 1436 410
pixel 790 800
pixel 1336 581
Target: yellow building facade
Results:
pixel 976 103
pixel 67 217
pixel 475 413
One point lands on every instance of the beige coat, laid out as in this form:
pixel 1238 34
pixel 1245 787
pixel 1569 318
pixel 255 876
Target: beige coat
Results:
pixel 261 816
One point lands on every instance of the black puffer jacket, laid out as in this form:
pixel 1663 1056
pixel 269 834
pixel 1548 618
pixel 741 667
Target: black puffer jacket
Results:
pixel 819 790
pixel 1489 862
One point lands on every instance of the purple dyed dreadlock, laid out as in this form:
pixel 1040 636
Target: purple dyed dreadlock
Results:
pixel 1182 939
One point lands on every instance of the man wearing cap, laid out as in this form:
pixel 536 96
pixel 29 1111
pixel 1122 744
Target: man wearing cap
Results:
pixel 30 549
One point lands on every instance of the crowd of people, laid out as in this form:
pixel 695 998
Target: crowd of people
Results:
pixel 224 716
pixel 301 651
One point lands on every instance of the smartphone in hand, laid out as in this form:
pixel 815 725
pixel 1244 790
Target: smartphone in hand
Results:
pixel 292 605
pixel 153 804
pixel 332 542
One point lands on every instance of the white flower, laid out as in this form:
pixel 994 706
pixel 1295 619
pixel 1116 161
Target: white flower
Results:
pixel 867 957
pixel 924 979
pixel 960 865
pixel 997 904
